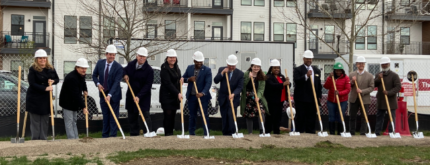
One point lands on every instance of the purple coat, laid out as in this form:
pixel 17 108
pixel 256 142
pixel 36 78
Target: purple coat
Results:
pixel 141 83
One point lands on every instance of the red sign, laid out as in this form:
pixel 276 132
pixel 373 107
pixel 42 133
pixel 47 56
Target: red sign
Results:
pixel 407 87
pixel 424 84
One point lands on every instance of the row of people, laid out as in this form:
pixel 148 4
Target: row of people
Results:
pixel 270 90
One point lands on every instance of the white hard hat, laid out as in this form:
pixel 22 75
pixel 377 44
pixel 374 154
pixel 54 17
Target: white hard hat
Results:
pixel 198 56
pixel 82 62
pixel 275 62
pixel 385 60
pixel 308 54
pixel 289 112
pixel 171 53
pixel 256 61
pixel 360 59
pixel 160 131
pixel 40 53
pixel 232 60
pixel 111 49
pixel 142 52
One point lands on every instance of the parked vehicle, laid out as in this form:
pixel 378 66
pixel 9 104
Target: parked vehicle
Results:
pixel 8 93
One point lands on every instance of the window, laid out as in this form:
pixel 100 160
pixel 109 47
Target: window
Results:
pixel 170 29
pixel 360 37
pixel 405 37
pixel 108 27
pixel 278 32
pixel 292 33
pixel 17 22
pixel 14 65
pixel 374 69
pixel 123 31
pixel 210 62
pixel 327 70
pixel 245 31
pixel 199 30
pixel 371 4
pixel 291 3
pixel 70 66
pixel 278 3
pixel 85 29
pixel 404 2
pixel 329 34
pixel 70 29
pixel 371 37
pixel 360 4
pixel 258 31
pixel 151 29
pixel 246 2
pixel 258 2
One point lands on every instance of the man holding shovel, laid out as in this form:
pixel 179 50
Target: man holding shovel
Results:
pixel 202 75
pixel 71 97
pixel 366 85
pixel 235 77
pixel 303 94
pixel 392 87
pixel 140 76
pixel 107 76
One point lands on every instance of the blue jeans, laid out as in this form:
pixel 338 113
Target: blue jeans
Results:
pixel 333 111
pixel 194 107
pixel 110 128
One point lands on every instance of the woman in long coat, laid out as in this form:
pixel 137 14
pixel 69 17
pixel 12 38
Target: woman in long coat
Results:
pixel 170 89
pixel 40 74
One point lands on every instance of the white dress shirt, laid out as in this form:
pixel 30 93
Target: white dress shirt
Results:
pixel 306 75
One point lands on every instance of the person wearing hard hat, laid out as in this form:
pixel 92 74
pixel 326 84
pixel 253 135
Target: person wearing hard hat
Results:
pixel 392 87
pixel 140 76
pixel 71 97
pixel 202 76
pixel 248 101
pixel 366 85
pixel 107 76
pixel 40 75
pixel 235 78
pixel 303 94
pixel 276 94
pixel 343 86
pixel 170 89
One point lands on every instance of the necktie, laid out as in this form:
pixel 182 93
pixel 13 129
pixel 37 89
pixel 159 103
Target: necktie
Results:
pixel 229 75
pixel 139 66
pixel 106 77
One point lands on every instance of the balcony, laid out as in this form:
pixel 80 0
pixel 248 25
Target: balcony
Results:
pixel 189 6
pixel 22 44
pixel 408 11
pixel 337 9
pixel 184 38
pixel 43 4
pixel 414 47
pixel 322 50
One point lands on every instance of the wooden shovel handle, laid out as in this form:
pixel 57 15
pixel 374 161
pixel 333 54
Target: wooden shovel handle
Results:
pixel 86 114
pixel 111 110
pixel 415 100
pixel 182 108
pixel 289 98
pixel 51 105
pixel 362 105
pixel 386 100
pixel 137 104
pixel 315 98
pixel 258 104
pixel 337 98
pixel 231 100
pixel 18 106
pixel 200 104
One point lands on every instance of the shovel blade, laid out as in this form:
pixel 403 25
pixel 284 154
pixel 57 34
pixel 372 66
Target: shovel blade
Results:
pixel 394 135
pixel 369 135
pixel 150 134
pixel 345 134
pixel 237 135
pixel 294 133
pixel 14 140
pixel 265 135
pixel 418 135
pixel 21 140
pixel 209 137
pixel 51 139
pixel 322 134
pixel 183 136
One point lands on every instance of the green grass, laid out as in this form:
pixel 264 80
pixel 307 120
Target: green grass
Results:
pixel 76 160
pixel 322 153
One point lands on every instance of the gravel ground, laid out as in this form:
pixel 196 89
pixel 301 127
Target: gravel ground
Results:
pixel 103 147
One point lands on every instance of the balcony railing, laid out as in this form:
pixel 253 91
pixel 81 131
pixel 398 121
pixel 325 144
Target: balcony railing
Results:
pixel 209 38
pixel 220 4
pixel 408 8
pixel 319 47
pixel 166 3
pixel 327 8
pixel 28 40
pixel 414 47
pixel 194 38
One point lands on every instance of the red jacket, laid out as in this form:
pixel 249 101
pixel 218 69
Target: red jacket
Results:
pixel 343 85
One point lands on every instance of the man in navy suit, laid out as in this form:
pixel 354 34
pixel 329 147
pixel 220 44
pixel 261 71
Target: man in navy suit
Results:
pixel 235 77
pixel 202 75
pixel 303 94
pixel 107 76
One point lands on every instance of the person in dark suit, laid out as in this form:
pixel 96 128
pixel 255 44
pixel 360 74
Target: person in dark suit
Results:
pixel 170 88
pixel 276 94
pixel 140 76
pixel 107 76
pixel 236 83
pixel 202 75
pixel 71 97
pixel 40 74
pixel 303 94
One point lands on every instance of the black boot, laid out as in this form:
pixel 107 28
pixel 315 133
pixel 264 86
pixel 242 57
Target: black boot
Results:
pixel 331 126
pixel 339 128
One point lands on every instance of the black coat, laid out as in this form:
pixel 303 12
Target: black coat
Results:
pixel 170 87
pixel 303 88
pixel 141 82
pixel 71 91
pixel 273 89
pixel 236 85
pixel 37 100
